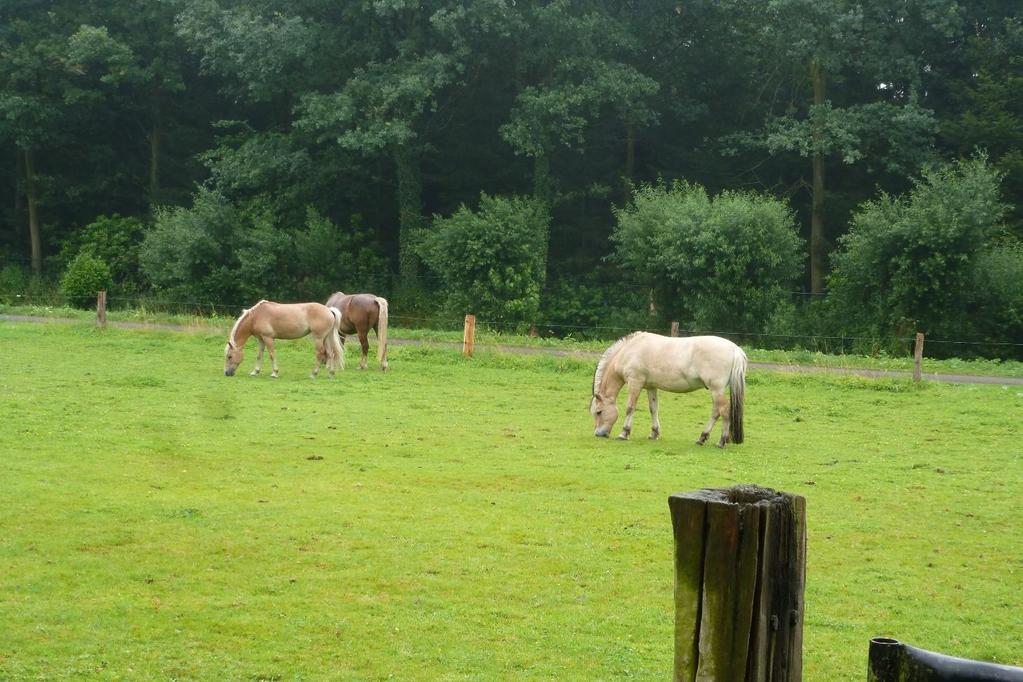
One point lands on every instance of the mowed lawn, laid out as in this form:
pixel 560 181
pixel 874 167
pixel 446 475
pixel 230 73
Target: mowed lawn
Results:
pixel 456 520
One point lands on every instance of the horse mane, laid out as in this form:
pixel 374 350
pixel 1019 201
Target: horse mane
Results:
pixel 245 313
pixel 598 373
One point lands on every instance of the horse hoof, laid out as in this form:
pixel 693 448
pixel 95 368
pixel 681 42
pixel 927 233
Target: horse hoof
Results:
pixel 653 436
pixel 622 437
pixel 699 442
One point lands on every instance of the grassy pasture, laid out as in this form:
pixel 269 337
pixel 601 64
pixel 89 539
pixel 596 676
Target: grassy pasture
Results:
pixel 455 520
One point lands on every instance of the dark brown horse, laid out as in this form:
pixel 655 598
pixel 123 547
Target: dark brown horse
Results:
pixel 359 314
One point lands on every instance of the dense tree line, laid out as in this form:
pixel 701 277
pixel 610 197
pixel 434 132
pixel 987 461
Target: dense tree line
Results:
pixel 529 152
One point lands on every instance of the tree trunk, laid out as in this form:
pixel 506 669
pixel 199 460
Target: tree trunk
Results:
pixel 19 205
pixel 630 155
pixel 542 179
pixel 32 198
pixel 155 138
pixel 740 567
pixel 818 253
pixel 410 218
pixel 543 193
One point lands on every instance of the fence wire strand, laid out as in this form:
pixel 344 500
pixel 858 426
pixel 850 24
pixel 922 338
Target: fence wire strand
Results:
pixel 229 309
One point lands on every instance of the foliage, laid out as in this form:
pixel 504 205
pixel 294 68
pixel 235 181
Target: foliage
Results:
pixel 908 262
pixel 13 281
pixel 328 258
pixel 721 264
pixel 490 259
pixel 896 139
pixel 216 252
pixel 392 111
pixel 997 286
pixel 984 110
pixel 115 240
pixel 597 304
pixel 85 276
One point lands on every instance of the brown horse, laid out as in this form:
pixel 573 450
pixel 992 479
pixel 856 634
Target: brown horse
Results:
pixel 359 314
pixel 651 361
pixel 268 321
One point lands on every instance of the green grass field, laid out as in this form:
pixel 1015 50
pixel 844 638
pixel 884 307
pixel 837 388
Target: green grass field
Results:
pixel 455 519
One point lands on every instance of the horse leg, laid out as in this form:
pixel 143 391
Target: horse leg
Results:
pixel 364 343
pixel 630 410
pixel 259 360
pixel 273 355
pixel 726 418
pixel 321 357
pixel 715 412
pixel 655 425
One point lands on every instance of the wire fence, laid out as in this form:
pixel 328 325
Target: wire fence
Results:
pixel 152 308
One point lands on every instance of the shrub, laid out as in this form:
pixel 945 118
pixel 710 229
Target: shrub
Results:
pixel 716 264
pixel 328 258
pixel 998 288
pixel 13 281
pixel 492 260
pixel 597 305
pixel 115 240
pixel 84 278
pixel 216 252
pixel 907 263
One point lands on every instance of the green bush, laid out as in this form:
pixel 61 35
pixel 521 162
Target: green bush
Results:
pixel 721 264
pixel 115 240
pixel 328 258
pixel 217 253
pixel 492 260
pixel 595 305
pixel 13 281
pixel 908 263
pixel 998 305
pixel 85 276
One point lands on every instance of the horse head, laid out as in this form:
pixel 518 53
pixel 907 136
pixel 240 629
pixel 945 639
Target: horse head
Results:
pixel 605 414
pixel 233 356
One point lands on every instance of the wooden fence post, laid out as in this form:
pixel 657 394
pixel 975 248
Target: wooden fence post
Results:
pixel 740 573
pixel 918 356
pixel 469 336
pixel 101 309
pixel 674 328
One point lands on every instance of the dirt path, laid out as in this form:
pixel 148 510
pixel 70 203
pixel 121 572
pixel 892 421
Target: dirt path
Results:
pixel 525 350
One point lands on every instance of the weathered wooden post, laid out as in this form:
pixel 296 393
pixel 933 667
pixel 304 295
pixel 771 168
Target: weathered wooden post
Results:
pixel 918 356
pixel 740 574
pixel 101 309
pixel 469 336
pixel 674 328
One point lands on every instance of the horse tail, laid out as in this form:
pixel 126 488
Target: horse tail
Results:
pixel 737 381
pixel 335 352
pixel 382 333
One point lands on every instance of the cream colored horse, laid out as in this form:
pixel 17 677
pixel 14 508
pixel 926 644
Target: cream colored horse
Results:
pixel 651 361
pixel 268 321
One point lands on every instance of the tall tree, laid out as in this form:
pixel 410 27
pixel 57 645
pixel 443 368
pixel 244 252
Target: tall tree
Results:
pixel 574 67
pixel 38 97
pixel 369 79
pixel 134 47
pixel 976 93
pixel 853 73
